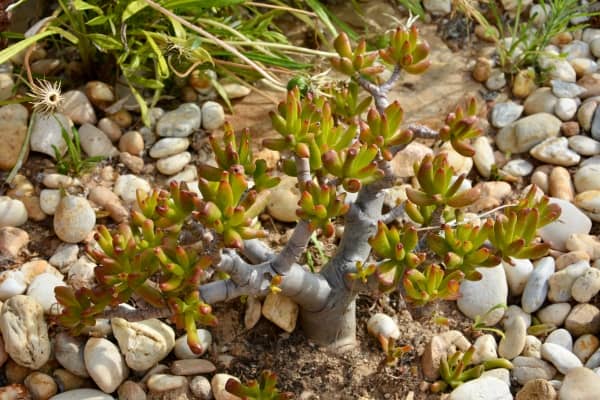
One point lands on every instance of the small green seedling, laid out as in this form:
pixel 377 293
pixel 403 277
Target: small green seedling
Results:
pixel 73 163
pixel 261 389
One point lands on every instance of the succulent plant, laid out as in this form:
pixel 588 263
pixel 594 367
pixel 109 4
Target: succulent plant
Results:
pixel 262 389
pixel 455 371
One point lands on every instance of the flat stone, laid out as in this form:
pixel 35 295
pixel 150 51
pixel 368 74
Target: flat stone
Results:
pixel 580 384
pixel 586 286
pixel 482 388
pixel 583 318
pixel 180 122
pixel 561 358
pixel 105 364
pixel 77 107
pixel 566 89
pixel 570 221
pixel 169 146
pixel 526 369
pixel 95 143
pixel 82 394
pixel 537 389
pixel 192 367
pixel 504 114
pixel 554 314
pixel 585 346
pixel 561 337
pixel 584 145
pixel 536 288
pixel 280 310
pixel 556 151
pixel 46 133
pixel 560 283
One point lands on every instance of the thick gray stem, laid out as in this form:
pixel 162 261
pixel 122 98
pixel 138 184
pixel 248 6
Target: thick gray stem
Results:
pixel 293 249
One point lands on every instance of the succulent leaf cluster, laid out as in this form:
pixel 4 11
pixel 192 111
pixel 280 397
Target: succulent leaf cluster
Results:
pixel 455 370
pixel 262 389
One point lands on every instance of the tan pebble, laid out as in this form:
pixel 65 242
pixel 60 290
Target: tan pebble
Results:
pixel 123 118
pixel 562 38
pixel 41 386
pixel 14 372
pixel 108 200
pixel 14 391
pixel 110 128
pixel 34 209
pixel 560 184
pixel 192 366
pixel 570 128
pixel 482 69
pixel 164 382
pixel 188 94
pixel 67 380
pixel 132 142
pixel 571 257
pixel 584 242
pixel 134 163
pixel 524 83
pixel 130 390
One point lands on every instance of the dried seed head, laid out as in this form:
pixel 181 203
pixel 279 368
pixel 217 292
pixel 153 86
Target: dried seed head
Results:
pixel 47 96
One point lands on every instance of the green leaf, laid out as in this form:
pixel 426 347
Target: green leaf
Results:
pixel 178 29
pixel 104 42
pixel 81 5
pixel 163 68
pixel 321 12
pixel 65 34
pixel 97 21
pixel 18 47
pixel 133 8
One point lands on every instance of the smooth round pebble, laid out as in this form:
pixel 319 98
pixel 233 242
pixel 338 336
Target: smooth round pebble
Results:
pixel 200 387
pixel 74 219
pixel 536 287
pixel 169 146
pixel 561 358
pixel 173 164
pixel 213 115
pixel 12 212
pixel 41 289
pixel 105 364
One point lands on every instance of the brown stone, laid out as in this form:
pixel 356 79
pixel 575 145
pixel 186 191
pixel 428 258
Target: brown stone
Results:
pixel 12 137
pixel 570 128
pixel 537 389
pixel 583 318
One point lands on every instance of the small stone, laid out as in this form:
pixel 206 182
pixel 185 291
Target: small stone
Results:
pixel 83 394
pixel 565 109
pixel 571 221
pixel 403 162
pixel 49 199
pixel 438 7
pixel 439 346
pixel 145 343
pixel 127 185
pixel 586 286
pixel 41 289
pixel 521 136
pixel 513 342
pixel 526 369
pixel 95 143
pixel 584 66
pixel 235 90
pixel 517 274
pixel 561 337
pixel 183 350
pixel 554 314
pixel 536 288
pixel 12 212
pixel 566 89
pixel 32 269
pixel 81 274
pixel 564 260
pixel 584 145
pixel 570 128
pixel 130 390
pixel 485 349
pixel 537 389
pixel 482 388
pixel 6 86
pixel 252 313
pixel 180 122
pixel 587 178
pixel 583 242
pixel 218 383
pixel 169 146
pixel 109 201
pixel 173 164
pixel 518 167
pixel 560 283
pixel 164 382
pixel 74 219
pixel 41 386
pixel 583 318
pixel 556 151
pixel 560 184
pixel 533 347
pixel 132 142
pixel 110 128
pixel 585 114
pixel 524 83
pixel 14 391
pixel 460 163
pixel 77 107
pixel 24 331
pixel 213 115
pixel 483 159
pixel 200 387
pixel 12 137
pixel 560 69
pixel 585 346
pixel 540 101
pixel 105 364
pixel 66 380
pixel 100 94
pixel 281 311
pixel 12 241
pixel 192 367
pixel 504 114
pixel 589 203
pixel 283 200
pixel 560 357
pixel 496 81
pixel 478 297
pixel 580 384
pixel 595 128
pixel 482 70
pixel 14 372
pixel 68 351
pixel 133 163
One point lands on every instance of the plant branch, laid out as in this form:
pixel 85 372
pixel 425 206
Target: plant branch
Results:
pixel 256 251
pixel 393 214
pixel 295 246
pixel 136 314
